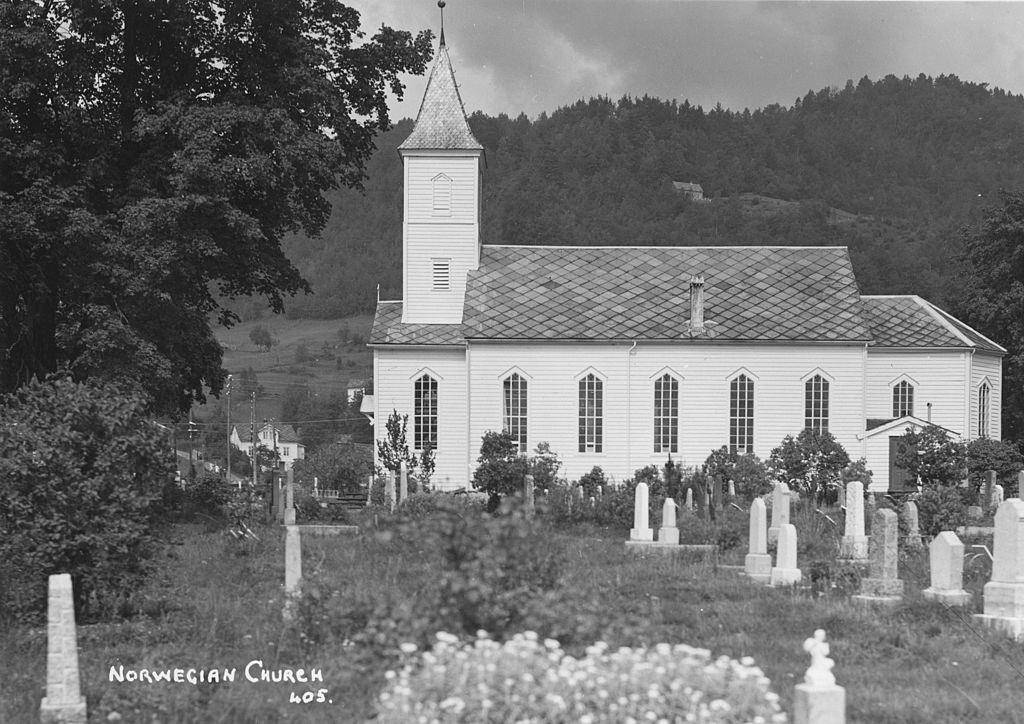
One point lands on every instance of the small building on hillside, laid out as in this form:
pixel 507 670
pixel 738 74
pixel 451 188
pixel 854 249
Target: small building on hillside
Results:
pixel 620 357
pixel 276 437
pixel 694 192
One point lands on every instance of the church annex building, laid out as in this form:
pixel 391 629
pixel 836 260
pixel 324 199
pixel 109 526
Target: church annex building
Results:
pixel 621 356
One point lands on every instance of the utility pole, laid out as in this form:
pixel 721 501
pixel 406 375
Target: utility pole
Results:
pixel 252 434
pixel 229 436
pixel 191 446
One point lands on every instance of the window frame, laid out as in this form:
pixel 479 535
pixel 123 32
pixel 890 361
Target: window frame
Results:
pixel 425 398
pixel 741 421
pixel 984 409
pixel 590 436
pixel 903 399
pixel 514 417
pixel 666 421
pixel 817 390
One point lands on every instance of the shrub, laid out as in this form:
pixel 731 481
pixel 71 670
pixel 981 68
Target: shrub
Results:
pixel 812 462
pixel 940 508
pixel 341 466
pixel 544 466
pixel 526 680
pixel 205 496
pixel 1005 458
pixel 81 471
pixel 593 481
pixel 932 456
pixel 615 507
pixel 501 470
pixel 746 472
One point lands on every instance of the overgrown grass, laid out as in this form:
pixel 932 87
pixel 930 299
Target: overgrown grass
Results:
pixel 218 604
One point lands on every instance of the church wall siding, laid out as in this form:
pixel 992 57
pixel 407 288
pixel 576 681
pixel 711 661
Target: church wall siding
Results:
pixel 938 377
pixel 553 371
pixel 420 173
pixel 437 242
pixel 990 367
pixel 395 371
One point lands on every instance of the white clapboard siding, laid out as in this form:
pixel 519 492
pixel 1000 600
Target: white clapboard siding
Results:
pixel 939 377
pixel 553 371
pixel 420 172
pixel 987 367
pixel 395 371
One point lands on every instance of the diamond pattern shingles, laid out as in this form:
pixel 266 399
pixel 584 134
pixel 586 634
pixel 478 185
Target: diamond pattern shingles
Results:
pixel 441 122
pixel 751 293
pixel 906 321
pixel 389 329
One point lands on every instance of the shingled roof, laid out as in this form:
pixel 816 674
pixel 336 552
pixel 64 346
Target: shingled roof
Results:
pixel 595 293
pixel 908 321
pixel 441 122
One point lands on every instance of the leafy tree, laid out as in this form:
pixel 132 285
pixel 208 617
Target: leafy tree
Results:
pixel 994 299
pixel 932 456
pixel 984 454
pixel 426 470
pixel 153 157
pixel 81 471
pixel 341 466
pixel 501 470
pixel 544 466
pixel 393 450
pixel 813 461
pixel 262 338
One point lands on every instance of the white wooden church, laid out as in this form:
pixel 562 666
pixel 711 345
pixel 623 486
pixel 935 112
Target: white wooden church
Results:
pixel 622 356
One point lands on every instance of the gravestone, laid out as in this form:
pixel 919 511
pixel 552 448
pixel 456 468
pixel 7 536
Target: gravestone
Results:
pixel 998 497
pixel 732 490
pixel 818 700
pixel 577 497
pixel 785 571
pixel 292 569
pixel 946 554
pixel 592 502
pixel 688 503
pixel 1004 593
pixel 780 510
pixel 63 701
pixel 389 491
pixel 883 586
pixel 988 490
pixel 668 534
pixel 528 494
pixel 758 564
pixel 289 504
pixel 403 483
pixel 641 531
pixel 854 544
pixel 913 529
pixel 716 492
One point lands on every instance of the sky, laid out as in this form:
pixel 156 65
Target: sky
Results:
pixel 529 56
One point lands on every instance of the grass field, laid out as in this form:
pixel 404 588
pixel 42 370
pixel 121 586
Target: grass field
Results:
pixel 216 603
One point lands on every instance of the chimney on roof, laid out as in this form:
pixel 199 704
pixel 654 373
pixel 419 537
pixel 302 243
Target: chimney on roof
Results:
pixel 697 304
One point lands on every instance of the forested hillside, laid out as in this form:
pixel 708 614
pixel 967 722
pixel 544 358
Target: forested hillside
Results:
pixel 913 160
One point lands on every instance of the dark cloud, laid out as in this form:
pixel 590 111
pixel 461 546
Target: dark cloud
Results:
pixel 534 55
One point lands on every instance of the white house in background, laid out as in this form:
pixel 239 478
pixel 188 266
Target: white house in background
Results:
pixel 273 436
pixel 623 356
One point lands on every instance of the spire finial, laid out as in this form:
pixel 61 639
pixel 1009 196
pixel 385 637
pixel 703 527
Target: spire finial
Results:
pixel 440 4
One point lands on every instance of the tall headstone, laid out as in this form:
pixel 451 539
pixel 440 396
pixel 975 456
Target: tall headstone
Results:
pixel 389 491
pixel 641 531
pixel 63 701
pixel 988 490
pixel 1004 593
pixel 854 544
pixel 289 503
pixel 818 700
pixel 292 568
pixel 946 554
pixel 758 564
pixel 998 496
pixel 577 497
pixel 688 503
pixel 732 490
pixel 882 587
pixel 528 494
pixel 780 510
pixel 716 492
pixel 668 534
pixel 785 571
pixel 913 529
pixel 403 482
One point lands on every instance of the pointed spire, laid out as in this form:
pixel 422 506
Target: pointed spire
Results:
pixel 440 4
pixel 441 122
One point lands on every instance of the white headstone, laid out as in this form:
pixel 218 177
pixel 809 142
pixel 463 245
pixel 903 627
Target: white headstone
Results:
pixel 913 530
pixel 63 701
pixel 688 503
pixel 528 494
pixel 403 482
pixel 641 529
pixel 946 554
pixel 785 571
pixel 780 510
pixel 668 534
pixel 289 503
pixel 1004 593
pixel 758 564
pixel 732 489
pixel 854 544
pixel 998 497
pixel 389 491
pixel 882 587
pixel 818 700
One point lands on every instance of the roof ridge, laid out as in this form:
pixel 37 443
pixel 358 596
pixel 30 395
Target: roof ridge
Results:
pixel 945 314
pixel 933 311
pixel 583 246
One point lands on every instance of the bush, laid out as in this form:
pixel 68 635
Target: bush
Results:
pixel 984 454
pixel 527 680
pixel 501 470
pixel 593 482
pixel 340 466
pixel 746 472
pixel 932 456
pixel 544 466
pixel 81 472
pixel 813 462
pixel 940 508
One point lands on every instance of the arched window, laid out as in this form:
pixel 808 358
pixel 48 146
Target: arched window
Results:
pixel 666 414
pixel 424 419
pixel 591 414
pixel 741 415
pixel 983 395
pixel 816 404
pixel 903 399
pixel 514 409
pixel 442 188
